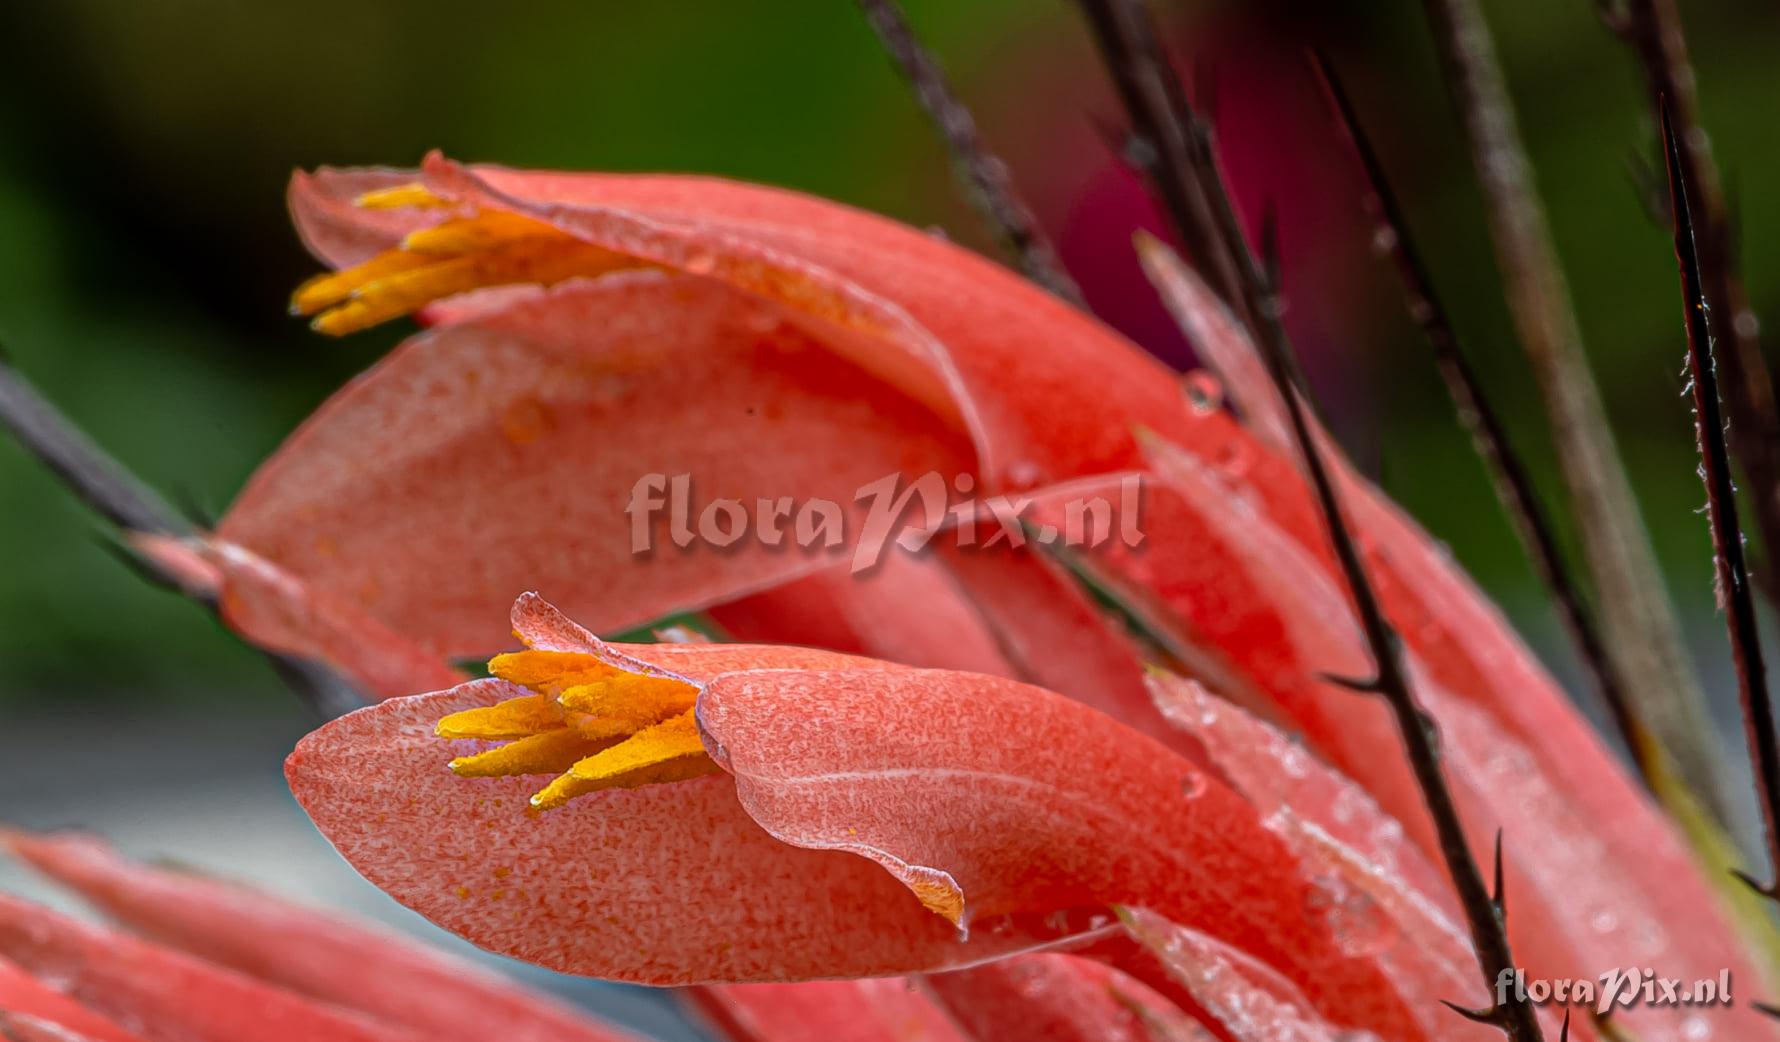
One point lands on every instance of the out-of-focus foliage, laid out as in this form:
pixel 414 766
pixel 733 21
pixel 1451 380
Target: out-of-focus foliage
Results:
pixel 145 258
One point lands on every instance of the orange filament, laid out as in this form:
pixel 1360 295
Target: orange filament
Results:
pixel 458 255
pixel 593 725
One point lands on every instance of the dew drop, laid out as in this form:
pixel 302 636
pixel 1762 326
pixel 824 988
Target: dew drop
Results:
pixel 1204 393
pixel 1193 785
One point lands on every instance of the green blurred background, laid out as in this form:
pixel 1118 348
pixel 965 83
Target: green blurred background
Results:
pixel 145 258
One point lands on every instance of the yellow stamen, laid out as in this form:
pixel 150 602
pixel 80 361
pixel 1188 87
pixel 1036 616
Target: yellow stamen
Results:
pixel 666 752
pixel 479 233
pixel 593 724
pixel 525 262
pixel 514 718
pixel 551 752
pixel 324 291
pixel 490 248
pixel 548 671
pixel 638 699
pixel 401 195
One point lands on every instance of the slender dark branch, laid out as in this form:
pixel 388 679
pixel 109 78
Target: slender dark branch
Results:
pixel 1489 436
pixel 1641 631
pixel 1156 104
pixel 1483 912
pixel 1652 30
pixel 103 484
pixel 1174 143
pixel 1732 576
pixel 983 175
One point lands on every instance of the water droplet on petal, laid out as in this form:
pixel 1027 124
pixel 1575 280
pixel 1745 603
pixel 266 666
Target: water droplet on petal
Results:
pixel 1204 392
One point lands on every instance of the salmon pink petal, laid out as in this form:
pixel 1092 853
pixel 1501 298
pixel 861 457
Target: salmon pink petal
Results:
pixel 1056 637
pixel 1049 997
pixel 907 609
pixel 1003 612
pixel 891 1009
pixel 28 1005
pixel 492 455
pixel 990 799
pixel 663 884
pixel 165 994
pixel 305 951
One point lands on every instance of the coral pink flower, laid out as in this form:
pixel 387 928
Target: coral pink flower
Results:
pixel 830 816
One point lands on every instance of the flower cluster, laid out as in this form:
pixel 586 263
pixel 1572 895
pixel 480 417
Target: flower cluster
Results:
pixel 1108 796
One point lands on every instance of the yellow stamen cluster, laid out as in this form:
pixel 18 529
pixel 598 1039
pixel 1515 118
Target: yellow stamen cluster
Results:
pixel 593 725
pixel 457 255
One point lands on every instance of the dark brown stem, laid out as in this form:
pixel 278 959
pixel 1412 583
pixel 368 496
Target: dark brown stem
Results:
pixel 1489 436
pixel 1652 29
pixel 1643 636
pixel 115 494
pixel 1483 911
pixel 1732 575
pixel 982 173
pixel 1157 108
pixel 1175 144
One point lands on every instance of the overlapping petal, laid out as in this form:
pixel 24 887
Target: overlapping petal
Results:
pixel 305 951
pixel 164 994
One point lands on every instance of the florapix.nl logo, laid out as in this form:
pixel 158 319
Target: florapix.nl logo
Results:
pixel 910 512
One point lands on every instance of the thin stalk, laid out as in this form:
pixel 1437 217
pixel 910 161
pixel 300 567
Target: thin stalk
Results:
pixel 1642 634
pixel 112 492
pixel 1129 44
pixel 1484 910
pixel 1489 435
pixel 979 170
pixel 1730 567
pixel 1652 30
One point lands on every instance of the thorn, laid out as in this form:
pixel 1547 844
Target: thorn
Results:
pixel 187 501
pixel 1364 685
pixel 1564 1032
pixel 1766 1009
pixel 1767 890
pixel 1487 1015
